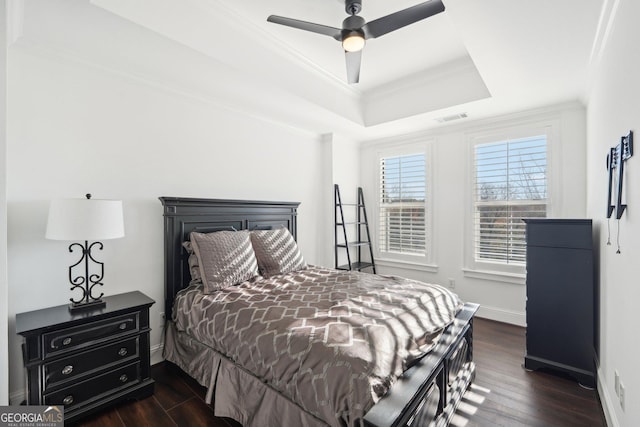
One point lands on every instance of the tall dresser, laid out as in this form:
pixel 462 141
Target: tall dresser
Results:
pixel 561 298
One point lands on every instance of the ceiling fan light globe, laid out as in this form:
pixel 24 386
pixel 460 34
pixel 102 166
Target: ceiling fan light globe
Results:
pixel 353 42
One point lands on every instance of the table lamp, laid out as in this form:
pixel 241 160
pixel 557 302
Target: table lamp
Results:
pixel 85 220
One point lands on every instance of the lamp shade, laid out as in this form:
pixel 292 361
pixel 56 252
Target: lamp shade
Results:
pixel 85 219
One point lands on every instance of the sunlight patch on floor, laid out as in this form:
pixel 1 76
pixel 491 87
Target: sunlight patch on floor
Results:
pixel 476 394
pixel 473 398
pixel 458 421
pixel 467 408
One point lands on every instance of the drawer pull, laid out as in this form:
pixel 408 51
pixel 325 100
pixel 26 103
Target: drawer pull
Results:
pixel 66 341
pixel 67 370
pixel 122 352
pixel 123 326
pixel 123 378
pixel 68 400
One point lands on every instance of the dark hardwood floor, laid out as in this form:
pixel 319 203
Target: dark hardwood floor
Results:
pixel 503 393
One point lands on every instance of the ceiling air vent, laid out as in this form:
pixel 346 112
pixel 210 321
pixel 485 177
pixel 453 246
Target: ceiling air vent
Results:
pixel 452 117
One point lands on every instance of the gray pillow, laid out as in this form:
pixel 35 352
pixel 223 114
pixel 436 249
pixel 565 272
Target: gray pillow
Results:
pixel 277 252
pixel 194 267
pixel 225 258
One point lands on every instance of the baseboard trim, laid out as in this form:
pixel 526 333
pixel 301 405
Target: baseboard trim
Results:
pixel 607 403
pixel 501 315
pixel 156 354
pixel 17 397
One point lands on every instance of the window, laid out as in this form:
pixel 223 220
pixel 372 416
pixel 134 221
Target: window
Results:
pixel 510 184
pixel 402 205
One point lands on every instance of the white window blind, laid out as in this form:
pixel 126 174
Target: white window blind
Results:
pixel 402 204
pixel 510 184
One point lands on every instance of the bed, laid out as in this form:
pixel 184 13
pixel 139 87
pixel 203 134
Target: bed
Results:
pixel 426 392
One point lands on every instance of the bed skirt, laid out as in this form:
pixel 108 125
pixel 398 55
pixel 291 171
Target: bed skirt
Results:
pixel 234 392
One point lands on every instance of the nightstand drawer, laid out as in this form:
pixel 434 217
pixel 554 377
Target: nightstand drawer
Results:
pixel 95 388
pixel 62 370
pixel 64 339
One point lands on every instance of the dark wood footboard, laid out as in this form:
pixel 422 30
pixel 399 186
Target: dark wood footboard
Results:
pixel 429 392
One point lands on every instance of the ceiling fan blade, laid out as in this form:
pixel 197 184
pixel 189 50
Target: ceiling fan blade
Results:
pixel 395 21
pixel 353 66
pixel 336 33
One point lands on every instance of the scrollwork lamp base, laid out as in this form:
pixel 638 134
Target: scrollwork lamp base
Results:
pixel 88 281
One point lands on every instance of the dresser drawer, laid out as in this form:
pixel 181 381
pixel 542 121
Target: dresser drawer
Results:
pixel 549 233
pixel 65 339
pixel 95 388
pixel 60 371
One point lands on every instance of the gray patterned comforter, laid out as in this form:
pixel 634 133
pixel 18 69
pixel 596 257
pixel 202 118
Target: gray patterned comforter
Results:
pixel 331 341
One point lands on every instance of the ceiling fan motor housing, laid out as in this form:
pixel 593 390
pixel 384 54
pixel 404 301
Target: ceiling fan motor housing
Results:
pixel 353 23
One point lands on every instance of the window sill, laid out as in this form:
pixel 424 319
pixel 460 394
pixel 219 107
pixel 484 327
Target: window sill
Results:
pixel 495 276
pixel 394 263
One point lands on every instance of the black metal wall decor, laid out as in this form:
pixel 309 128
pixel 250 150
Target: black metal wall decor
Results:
pixel 616 159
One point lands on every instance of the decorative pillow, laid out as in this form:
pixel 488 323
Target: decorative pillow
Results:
pixel 225 258
pixel 194 267
pixel 277 252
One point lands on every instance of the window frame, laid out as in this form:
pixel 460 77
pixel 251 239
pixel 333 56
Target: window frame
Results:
pixel 414 261
pixel 495 270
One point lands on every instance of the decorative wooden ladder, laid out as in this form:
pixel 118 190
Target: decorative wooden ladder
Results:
pixel 362 239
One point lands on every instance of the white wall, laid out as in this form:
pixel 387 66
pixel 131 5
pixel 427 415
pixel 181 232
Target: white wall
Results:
pixel 76 128
pixel 341 159
pixel 346 167
pixel 345 163
pixel 613 110
pixel 450 150
pixel 4 289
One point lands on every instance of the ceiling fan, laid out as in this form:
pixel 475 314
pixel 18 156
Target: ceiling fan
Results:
pixel 355 30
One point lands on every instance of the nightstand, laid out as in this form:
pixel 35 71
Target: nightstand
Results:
pixel 88 360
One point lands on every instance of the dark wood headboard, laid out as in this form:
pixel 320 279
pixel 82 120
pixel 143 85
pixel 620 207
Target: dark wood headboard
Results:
pixel 184 215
